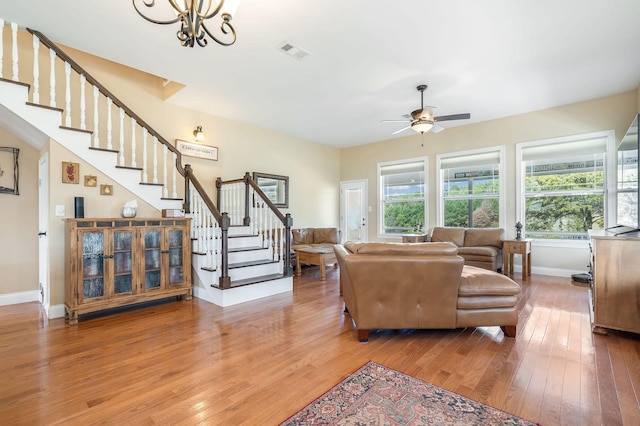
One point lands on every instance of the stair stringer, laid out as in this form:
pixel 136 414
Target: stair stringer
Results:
pixel 14 97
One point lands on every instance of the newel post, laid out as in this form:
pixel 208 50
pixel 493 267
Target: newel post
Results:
pixel 288 223
pixel 225 279
pixel 247 219
pixel 186 205
pixel 218 192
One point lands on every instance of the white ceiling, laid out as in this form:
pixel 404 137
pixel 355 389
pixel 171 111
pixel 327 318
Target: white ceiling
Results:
pixel 491 58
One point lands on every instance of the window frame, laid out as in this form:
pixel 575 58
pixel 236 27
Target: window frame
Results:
pixel 609 190
pixel 500 149
pixel 380 166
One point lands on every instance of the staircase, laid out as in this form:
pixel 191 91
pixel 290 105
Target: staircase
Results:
pixel 232 262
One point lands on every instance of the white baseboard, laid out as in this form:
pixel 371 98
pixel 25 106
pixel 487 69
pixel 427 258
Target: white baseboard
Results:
pixel 20 297
pixel 554 272
pixel 55 311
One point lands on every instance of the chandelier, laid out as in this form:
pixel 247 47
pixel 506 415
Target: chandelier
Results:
pixel 192 15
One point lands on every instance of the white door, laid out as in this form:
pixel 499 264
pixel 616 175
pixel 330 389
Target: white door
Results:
pixel 354 211
pixel 43 228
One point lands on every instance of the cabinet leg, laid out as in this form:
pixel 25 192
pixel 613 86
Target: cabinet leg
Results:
pixel 599 330
pixel 73 317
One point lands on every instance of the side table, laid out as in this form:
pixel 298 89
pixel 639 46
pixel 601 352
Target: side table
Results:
pixel 414 238
pixel 521 247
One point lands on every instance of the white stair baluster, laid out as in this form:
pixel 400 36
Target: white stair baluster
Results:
pixel 96 119
pixel 144 155
pixel 14 51
pixel 133 142
pixel 52 78
pixel 83 103
pixel 165 190
pixel 109 124
pixel 155 159
pixel 174 194
pixel 67 94
pixel 121 149
pixel 36 68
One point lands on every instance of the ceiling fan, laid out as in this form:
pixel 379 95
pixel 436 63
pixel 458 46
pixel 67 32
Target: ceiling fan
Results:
pixel 422 120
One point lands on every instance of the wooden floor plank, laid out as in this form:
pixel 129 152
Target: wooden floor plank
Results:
pixel 259 362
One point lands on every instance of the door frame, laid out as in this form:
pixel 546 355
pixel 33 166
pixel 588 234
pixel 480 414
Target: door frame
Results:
pixel 43 232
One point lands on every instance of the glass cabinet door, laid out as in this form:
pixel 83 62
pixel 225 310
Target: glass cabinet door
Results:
pixel 123 262
pixel 176 253
pixel 93 279
pixel 152 240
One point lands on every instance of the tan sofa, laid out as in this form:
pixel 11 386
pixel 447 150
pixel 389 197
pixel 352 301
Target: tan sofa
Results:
pixel 424 285
pixel 481 247
pixel 314 237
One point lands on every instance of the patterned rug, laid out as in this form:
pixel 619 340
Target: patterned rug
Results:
pixel 377 395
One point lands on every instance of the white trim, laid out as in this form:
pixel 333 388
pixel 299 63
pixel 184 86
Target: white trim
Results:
pixel 502 203
pixel 55 311
pixel 425 161
pixel 19 297
pixel 610 172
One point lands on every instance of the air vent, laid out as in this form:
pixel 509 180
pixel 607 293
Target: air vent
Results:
pixel 293 51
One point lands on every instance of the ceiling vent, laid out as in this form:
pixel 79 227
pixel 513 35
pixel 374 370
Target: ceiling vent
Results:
pixel 293 51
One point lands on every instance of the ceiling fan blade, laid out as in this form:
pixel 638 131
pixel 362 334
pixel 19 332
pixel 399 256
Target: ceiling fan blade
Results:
pixel 401 130
pixel 436 129
pixel 452 117
pixel 395 121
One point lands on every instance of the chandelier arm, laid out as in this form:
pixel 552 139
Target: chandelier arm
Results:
pixel 226 28
pixel 152 3
pixel 207 15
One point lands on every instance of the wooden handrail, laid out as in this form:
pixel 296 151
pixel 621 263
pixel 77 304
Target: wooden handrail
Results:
pixel 77 68
pixel 190 176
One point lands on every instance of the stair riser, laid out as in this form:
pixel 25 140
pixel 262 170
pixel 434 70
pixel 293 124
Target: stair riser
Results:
pixel 246 256
pixel 253 271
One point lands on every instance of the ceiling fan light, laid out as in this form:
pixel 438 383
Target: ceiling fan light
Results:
pixel 422 126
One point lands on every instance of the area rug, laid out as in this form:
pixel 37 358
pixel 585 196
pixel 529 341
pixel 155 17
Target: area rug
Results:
pixel 377 395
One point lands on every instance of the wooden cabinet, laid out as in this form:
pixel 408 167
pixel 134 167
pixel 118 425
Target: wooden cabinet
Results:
pixel 615 287
pixel 116 262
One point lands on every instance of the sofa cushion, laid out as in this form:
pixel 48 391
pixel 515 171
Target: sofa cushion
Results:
pixel 482 282
pixel 407 249
pixel 478 253
pixel 301 236
pixel 325 235
pixel 475 237
pixel 451 234
pixel 487 302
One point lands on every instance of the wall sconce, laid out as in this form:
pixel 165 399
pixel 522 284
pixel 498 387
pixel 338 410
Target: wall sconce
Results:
pixel 199 134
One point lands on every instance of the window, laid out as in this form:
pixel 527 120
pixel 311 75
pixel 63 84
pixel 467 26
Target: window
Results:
pixel 402 196
pixel 470 188
pixel 564 183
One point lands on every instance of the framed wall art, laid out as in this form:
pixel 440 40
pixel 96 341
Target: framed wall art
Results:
pixel 70 172
pixel 9 170
pixel 90 180
pixel 106 189
pixel 198 150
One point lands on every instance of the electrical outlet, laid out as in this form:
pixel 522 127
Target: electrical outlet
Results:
pixel 60 210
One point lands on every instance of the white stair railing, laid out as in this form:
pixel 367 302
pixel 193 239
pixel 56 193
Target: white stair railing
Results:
pixel 80 89
pixel 205 232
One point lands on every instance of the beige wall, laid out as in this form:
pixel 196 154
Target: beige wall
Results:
pixel 19 221
pixel 612 112
pixel 313 171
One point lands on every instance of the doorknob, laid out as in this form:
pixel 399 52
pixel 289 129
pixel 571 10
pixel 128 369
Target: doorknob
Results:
pixel 42 234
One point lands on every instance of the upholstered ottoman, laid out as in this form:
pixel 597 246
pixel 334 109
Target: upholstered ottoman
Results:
pixel 487 297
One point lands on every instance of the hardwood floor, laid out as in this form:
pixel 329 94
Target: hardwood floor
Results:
pixel 259 362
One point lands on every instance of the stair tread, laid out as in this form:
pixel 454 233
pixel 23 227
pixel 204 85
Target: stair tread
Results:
pixel 252 263
pixel 256 280
pixel 238 249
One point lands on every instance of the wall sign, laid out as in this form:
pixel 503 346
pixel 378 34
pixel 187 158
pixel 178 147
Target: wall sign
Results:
pixel 191 149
